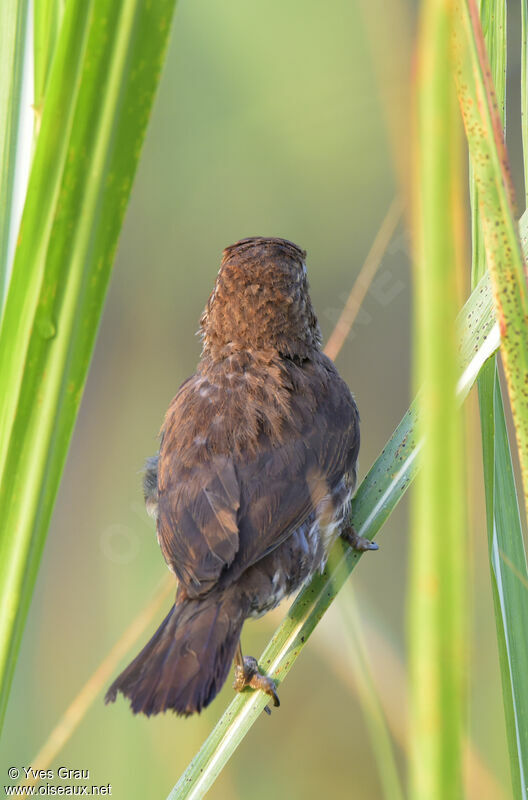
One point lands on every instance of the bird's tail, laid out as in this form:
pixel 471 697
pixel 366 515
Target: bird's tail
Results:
pixel 185 664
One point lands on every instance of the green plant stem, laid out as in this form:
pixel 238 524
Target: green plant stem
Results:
pixel 98 99
pixel 379 734
pixel 494 20
pixel 504 528
pixel 504 258
pixel 524 92
pixel 436 599
pixel 509 575
pixel 47 20
pixel 13 19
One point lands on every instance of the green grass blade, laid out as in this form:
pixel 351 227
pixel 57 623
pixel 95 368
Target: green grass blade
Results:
pixel 376 498
pixel 494 20
pixel 504 257
pixel 376 723
pixel 98 99
pixel 47 19
pixel 13 19
pixel 510 593
pixel 436 599
pixel 510 597
pixel 524 92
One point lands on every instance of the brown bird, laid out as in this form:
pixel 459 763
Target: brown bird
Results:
pixel 253 479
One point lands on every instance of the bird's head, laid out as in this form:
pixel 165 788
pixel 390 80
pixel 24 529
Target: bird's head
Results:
pixel 260 300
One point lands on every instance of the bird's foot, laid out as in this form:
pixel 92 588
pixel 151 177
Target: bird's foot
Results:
pixel 248 674
pixel 357 542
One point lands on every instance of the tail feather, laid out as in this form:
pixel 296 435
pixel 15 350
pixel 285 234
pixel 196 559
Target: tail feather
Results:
pixel 185 664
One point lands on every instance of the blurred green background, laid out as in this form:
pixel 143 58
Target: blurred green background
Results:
pixel 272 119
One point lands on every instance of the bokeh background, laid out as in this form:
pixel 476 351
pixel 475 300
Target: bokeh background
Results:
pixel 286 118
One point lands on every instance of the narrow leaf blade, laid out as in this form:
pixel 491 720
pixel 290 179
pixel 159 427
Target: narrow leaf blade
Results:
pixel 98 99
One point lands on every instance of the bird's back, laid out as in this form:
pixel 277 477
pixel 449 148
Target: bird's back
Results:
pixel 252 447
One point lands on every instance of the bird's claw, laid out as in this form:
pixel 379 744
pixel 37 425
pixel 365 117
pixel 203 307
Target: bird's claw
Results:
pixel 248 674
pixel 357 542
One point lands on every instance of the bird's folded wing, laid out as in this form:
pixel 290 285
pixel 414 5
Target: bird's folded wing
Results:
pixel 286 483
pixel 219 516
pixel 197 521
